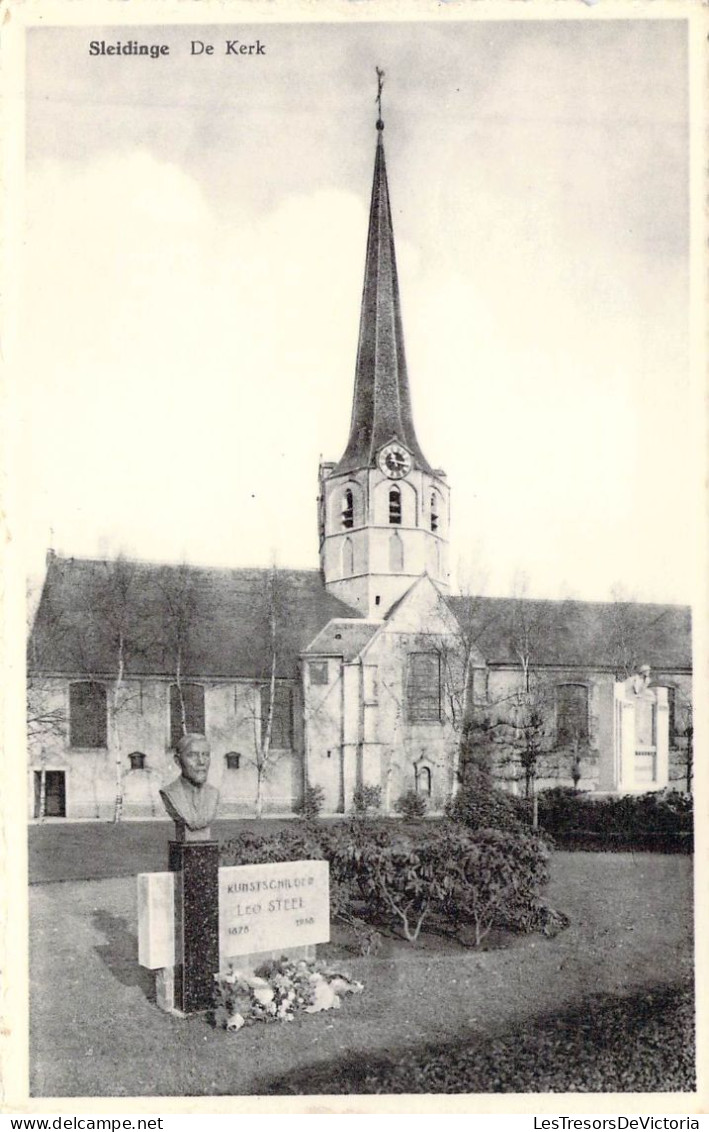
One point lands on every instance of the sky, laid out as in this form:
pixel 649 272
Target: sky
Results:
pixel 194 249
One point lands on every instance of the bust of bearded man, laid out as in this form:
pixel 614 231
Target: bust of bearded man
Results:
pixel 190 801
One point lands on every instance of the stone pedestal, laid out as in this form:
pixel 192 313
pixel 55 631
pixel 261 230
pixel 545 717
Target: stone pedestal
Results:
pixel 196 864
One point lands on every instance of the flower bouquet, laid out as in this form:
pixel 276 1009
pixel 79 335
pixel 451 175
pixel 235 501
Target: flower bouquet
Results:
pixel 278 991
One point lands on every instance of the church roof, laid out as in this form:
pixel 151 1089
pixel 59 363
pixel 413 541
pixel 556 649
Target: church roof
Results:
pixel 586 633
pixel 381 409
pixel 343 638
pixel 222 617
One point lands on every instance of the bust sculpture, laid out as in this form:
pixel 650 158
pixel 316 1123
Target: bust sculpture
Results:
pixel 640 680
pixel 190 801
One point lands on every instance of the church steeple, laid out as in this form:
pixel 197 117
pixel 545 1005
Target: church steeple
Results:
pixel 383 511
pixel 381 409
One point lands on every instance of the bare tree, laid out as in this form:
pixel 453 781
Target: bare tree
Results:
pixel 623 633
pixel 176 616
pixel 267 699
pixel 528 737
pixel 115 600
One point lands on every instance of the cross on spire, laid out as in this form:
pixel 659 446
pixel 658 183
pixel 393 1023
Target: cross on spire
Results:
pixel 378 100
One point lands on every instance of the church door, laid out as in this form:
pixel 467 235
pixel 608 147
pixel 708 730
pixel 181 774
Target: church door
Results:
pixel 55 793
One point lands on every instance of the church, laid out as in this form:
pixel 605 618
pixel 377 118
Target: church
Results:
pixel 365 672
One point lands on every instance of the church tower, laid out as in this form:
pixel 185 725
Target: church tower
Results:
pixel 383 511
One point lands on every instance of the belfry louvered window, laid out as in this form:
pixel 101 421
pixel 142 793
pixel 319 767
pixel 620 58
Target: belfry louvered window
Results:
pixel 395 506
pixel 347 511
pixel 434 511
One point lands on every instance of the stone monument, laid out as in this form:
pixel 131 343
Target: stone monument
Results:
pixel 192 804
pixel 197 917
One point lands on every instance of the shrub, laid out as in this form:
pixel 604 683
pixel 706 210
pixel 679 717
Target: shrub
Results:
pixel 484 878
pixel 366 800
pixel 298 844
pixel 657 820
pixel 497 878
pixel 488 879
pixel 480 805
pixel 311 803
pixel 411 805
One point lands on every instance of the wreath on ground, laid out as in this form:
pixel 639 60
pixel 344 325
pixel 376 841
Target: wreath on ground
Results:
pixel 278 991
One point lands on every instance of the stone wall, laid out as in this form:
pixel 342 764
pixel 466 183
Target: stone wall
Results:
pixel 232 715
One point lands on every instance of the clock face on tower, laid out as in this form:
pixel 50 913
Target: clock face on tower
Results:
pixel 395 461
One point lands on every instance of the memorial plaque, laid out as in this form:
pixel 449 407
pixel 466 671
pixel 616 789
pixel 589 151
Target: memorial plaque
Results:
pixel 156 920
pixel 267 907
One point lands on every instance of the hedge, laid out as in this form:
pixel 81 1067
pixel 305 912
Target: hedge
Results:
pixel 659 820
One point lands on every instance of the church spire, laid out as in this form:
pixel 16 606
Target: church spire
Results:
pixel 381 409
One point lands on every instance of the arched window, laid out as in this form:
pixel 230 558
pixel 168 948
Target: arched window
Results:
pixel 232 760
pixel 348 510
pixel 137 760
pixel 423 780
pixel 347 558
pixel 280 716
pixel 435 511
pixel 571 715
pixel 424 687
pixel 87 714
pixel 396 553
pixel 395 506
pixel 186 711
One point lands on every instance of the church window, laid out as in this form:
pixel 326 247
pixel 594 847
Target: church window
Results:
pixel 137 760
pixel 571 715
pixel 232 760
pixel 434 511
pixel 281 716
pixel 395 506
pixel 396 554
pixel 186 711
pixel 318 671
pixel 423 780
pixel 87 714
pixel 348 511
pixel 424 687
pixel 347 558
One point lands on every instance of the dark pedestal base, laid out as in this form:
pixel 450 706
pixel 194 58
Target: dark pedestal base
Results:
pixel 196 922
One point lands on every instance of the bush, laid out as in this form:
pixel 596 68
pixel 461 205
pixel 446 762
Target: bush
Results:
pixel 298 844
pixel 487 879
pixel 311 803
pixel 411 805
pixel 661 820
pixel 480 805
pixel 366 800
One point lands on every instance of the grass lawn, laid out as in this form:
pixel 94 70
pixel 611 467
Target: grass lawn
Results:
pixel 95 850
pixel 602 997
